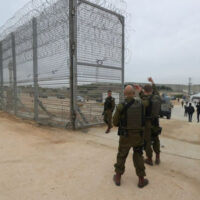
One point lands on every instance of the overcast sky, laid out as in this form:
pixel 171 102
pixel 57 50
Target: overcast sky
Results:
pixel 163 37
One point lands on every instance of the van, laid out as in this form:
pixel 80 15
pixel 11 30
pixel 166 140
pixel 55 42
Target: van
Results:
pixel 166 107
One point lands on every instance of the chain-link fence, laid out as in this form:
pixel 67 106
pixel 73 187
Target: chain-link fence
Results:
pixel 58 58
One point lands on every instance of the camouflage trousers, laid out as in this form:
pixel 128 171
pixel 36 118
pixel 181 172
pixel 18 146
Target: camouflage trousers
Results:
pixel 150 140
pixel 147 139
pixel 134 141
pixel 156 144
pixel 108 118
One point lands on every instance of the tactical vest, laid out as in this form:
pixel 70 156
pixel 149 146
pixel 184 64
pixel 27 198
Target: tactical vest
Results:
pixel 134 115
pixel 108 103
pixel 155 106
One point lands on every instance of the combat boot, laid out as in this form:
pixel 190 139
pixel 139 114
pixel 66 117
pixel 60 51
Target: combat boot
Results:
pixel 117 179
pixel 149 161
pixel 157 161
pixel 108 130
pixel 142 182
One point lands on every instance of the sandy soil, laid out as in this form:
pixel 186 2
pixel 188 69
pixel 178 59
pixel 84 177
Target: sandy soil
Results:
pixel 183 131
pixel 59 109
pixel 40 163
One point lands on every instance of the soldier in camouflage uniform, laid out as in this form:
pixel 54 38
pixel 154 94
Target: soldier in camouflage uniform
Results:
pixel 152 128
pixel 130 137
pixel 109 106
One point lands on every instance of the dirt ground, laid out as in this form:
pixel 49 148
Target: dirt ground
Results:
pixel 40 163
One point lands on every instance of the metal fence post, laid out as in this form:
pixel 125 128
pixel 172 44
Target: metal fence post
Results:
pixel 35 68
pixel 123 52
pixel 1 75
pixel 73 57
pixel 14 73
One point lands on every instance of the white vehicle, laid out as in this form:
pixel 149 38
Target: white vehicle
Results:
pixel 195 98
pixel 80 99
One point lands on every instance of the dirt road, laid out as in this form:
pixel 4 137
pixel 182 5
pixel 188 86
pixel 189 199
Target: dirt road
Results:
pixel 40 163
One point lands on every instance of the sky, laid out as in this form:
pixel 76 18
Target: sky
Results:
pixel 163 38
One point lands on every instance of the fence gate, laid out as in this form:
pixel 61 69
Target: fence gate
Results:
pixel 58 58
pixel 100 60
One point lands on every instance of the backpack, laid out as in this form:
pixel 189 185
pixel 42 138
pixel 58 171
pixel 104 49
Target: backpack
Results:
pixel 134 115
pixel 155 106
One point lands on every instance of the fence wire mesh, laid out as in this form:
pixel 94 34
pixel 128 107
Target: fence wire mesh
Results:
pixel 57 61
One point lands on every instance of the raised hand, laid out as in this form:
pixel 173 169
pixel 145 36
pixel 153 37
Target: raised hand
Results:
pixel 150 80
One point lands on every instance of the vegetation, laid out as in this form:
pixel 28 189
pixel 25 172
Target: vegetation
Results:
pixel 164 88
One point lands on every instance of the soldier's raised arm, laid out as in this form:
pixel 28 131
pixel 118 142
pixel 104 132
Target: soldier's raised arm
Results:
pixel 155 89
pixel 145 101
pixel 139 89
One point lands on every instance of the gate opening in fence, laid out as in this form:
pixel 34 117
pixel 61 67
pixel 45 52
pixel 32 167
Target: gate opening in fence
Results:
pixel 58 58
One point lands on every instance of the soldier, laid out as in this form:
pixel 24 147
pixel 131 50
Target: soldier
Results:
pixel 156 129
pixel 152 128
pixel 182 103
pixel 129 117
pixel 185 110
pixel 109 107
pixel 198 111
pixel 190 112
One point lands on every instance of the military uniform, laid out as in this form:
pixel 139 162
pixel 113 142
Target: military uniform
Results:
pixel 134 140
pixel 109 107
pixel 155 136
pixel 147 130
pixel 151 137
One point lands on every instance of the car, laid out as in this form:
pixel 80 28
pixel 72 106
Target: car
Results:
pixel 44 96
pixel 61 96
pixel 173 98
pixel 80 99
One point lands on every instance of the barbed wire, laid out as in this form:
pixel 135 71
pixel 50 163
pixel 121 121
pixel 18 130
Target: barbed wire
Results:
pixel 97 23
pixel 45 8
pixel 99 52
pixel 37 7
pixel 120 7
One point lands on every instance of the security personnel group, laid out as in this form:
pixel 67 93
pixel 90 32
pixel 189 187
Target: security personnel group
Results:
pixel 137 119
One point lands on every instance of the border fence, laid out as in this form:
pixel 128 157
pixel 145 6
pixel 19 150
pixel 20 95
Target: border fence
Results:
pixel 58 58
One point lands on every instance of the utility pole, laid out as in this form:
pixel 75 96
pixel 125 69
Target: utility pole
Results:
pixel 190 87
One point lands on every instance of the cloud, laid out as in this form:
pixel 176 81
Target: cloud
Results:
pixel 163 38
pixel 166 41
pixel 8 8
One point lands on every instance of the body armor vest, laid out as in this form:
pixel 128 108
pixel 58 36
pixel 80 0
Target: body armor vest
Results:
pixel 135 116
pixel 155 106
